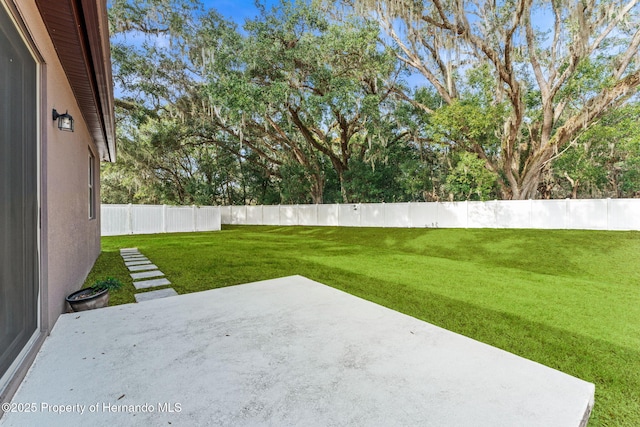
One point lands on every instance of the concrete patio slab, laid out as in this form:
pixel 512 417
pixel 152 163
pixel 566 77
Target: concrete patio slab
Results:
pixel 142 267
pixel 146 274
pixel 153 283
pixel 288 352
pixel 161 293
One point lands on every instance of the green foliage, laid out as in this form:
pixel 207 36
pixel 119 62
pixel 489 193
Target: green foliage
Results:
pixel 387 178
pixel 566 299
pixel 591 76
pixel 364 184
pixel 294 184
pixel 469 125
pixel 110 284
pixel 470 179
pixel 604 161
pixel 480 87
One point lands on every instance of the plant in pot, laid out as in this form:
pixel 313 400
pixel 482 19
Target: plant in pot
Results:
pixel 95 296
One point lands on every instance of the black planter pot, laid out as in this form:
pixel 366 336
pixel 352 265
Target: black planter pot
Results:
pixel 85 299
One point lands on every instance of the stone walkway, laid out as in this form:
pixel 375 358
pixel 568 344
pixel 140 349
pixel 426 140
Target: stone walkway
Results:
pixel 146 274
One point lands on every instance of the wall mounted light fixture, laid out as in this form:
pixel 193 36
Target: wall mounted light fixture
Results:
pixel 65 121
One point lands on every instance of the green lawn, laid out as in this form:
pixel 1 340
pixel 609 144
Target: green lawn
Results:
pixel 567 299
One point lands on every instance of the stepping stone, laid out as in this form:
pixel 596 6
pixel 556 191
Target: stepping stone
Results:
pixel 143 267
pixel 136 259
pixel 146 274
pixel 162 293
pixel 133 256
pixel 128 250
pixel 153 283
pixel 130 263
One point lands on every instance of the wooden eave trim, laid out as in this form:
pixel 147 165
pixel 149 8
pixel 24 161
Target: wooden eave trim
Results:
pixel 98 38
pixel 79 32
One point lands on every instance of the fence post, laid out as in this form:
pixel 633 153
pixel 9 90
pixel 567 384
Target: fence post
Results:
pixel 466 205
pixel 129 224
pixel 384 215
pixel 193 215
pixel 164 218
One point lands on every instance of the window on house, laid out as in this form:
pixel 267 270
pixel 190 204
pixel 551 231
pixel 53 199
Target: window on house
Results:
pixel 92 186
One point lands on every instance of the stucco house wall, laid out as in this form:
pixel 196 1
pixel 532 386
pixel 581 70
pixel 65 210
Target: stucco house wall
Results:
pixel 69 240
pixel 72 238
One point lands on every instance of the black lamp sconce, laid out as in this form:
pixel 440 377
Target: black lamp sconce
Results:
pixel 65 121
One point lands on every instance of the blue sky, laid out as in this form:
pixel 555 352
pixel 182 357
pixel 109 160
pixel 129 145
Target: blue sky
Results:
pixel 236 10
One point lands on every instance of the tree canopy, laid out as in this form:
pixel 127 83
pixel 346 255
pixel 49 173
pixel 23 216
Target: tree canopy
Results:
pixel 375 100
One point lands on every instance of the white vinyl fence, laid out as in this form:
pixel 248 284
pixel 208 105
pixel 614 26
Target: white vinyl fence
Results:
pixel 586 214
pixel 151 219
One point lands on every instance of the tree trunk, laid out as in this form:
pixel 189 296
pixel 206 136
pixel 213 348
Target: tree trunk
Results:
pixel 343 190
pixel 574 185
pixel 527 186
pixel 317 188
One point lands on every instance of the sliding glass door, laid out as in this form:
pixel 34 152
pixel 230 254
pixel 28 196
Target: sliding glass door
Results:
pixel 18 194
